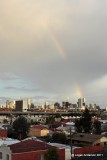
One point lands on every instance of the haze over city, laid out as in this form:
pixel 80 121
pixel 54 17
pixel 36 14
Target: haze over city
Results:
pixel 54 49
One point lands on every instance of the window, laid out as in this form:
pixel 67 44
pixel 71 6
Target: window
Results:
pixel 0 155
pixel 7 157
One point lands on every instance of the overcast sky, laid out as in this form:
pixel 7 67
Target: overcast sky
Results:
pixel 54 49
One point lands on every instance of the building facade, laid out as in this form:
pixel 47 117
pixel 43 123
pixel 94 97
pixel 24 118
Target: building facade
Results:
pixel 22 105
pixel 27 150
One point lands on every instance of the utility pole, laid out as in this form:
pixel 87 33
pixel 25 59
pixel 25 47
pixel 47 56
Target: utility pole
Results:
pixel 71 135
pixel 71 142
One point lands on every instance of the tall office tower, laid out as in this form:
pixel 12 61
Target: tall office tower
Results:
pixel 81 102
pixel 21 105
pixel 29 103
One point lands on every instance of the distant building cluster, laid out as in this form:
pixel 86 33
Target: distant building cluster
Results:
pixel 18 105
pixel 23 105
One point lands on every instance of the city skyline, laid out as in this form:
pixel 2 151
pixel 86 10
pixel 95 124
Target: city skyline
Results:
pixel 53 49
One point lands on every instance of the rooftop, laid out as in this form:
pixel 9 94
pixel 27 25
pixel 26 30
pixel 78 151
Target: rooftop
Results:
pixel 8 141
pixel 28 146
pixel 38 127
pixel 86 137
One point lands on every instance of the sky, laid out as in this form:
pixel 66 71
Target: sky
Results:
pixel 53 50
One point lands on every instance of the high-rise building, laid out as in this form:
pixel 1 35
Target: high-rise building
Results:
pixel 29 103
pixel 81 102
pixel 22 105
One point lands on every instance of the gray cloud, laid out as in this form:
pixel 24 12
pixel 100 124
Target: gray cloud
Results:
pixel 8 76
pixel 54 45
pixel 22 89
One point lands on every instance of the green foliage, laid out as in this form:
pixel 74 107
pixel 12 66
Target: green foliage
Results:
pixel 97 127
pixel 51 154
pixel 78 125
pixel 59 138
pixel 50 120
pixel 21 127
pixel 11 133
pixel 84 123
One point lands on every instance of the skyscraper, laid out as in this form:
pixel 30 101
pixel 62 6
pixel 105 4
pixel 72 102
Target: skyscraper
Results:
pixel 22 105
pixel 81 102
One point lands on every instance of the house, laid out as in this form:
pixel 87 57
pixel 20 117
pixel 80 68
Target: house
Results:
pixel 27 150
pixel 67 149
pixel 83 139
pixel 5 152
pixel 3 133
pixel 38 131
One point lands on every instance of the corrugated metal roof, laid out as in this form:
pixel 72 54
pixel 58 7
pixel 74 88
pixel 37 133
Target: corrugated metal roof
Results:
pixel 8 141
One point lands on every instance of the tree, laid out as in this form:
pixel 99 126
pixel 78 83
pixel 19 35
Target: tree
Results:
pixel 86 121
pixel 84 124
pixel 97 127
pixel 21 127
pixel 78 125
pixel 50 121
pixel 51 154
pixel 59 137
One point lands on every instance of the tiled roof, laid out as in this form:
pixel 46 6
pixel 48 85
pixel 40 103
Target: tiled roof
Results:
pixel 86 137
pixel 38 127
pixel 28 145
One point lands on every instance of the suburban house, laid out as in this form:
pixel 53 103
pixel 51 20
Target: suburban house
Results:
pixel 83 139
pixel 27 150
pixel 38 131
pixel 3 133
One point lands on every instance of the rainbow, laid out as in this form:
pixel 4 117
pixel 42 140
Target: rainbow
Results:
pixel 58 44
pixel 79 92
